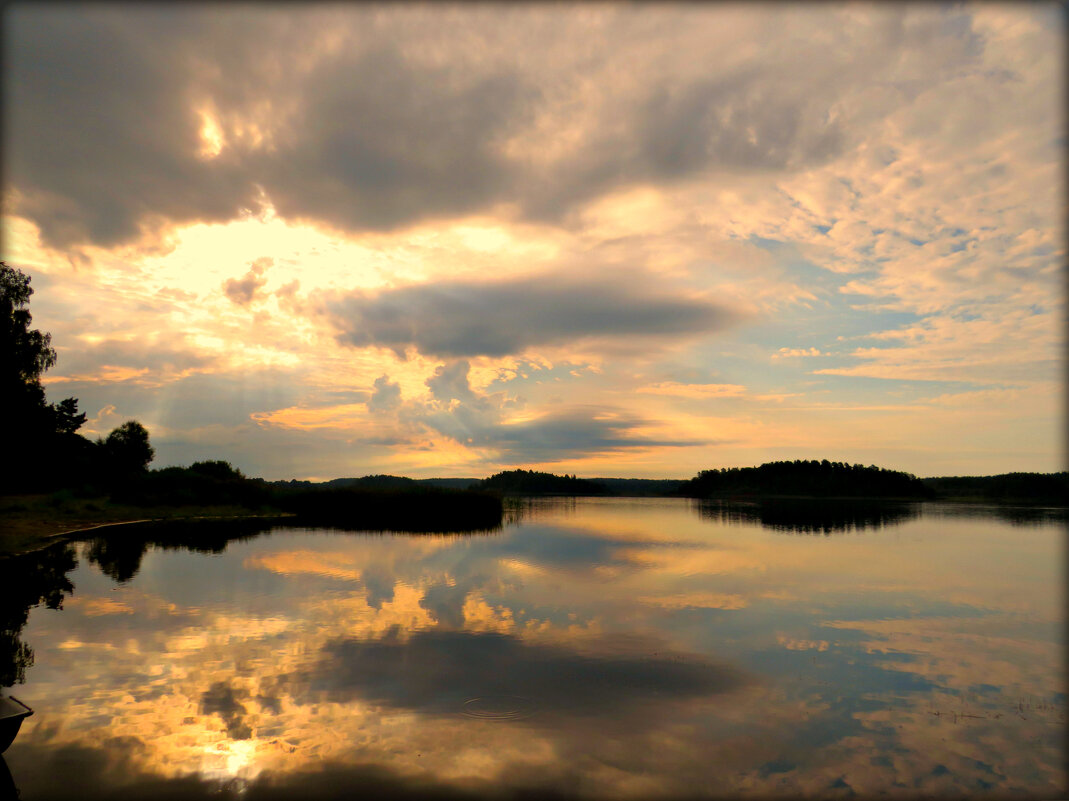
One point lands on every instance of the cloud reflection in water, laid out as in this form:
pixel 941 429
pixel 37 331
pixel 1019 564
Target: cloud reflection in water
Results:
pixel 435 672
pixel 662 652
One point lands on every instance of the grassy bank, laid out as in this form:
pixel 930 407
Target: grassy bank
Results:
pixel 29 522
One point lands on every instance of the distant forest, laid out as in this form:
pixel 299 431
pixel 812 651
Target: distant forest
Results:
pixel 822 479
pixel 1046 488
pixel 529 482
pixel 509 482
pixel 218 483
pixel 799 478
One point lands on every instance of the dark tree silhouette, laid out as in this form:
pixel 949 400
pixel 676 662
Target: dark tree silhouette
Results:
pixel 530 482
pixel 1046 488
pixel 24 355
pixel 38 435
pixel 128 449
pixel 67 418
pixel 805 478
pixel 26 352
pixel 29 580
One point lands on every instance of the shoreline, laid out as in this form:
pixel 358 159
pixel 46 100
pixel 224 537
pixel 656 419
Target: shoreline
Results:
pixel 37 541
pixel 25 530
pixel 31 523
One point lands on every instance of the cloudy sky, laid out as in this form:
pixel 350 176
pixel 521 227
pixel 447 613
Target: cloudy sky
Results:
pixel 643 240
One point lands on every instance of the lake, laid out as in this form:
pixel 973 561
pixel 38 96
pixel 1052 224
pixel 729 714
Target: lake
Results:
pixel 590 648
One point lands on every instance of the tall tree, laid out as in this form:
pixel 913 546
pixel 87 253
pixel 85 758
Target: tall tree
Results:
pixel 25 353
pixel 37 434
pixel 128 448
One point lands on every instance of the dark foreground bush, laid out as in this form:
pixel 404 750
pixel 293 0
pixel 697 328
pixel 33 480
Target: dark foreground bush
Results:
pixel 213 483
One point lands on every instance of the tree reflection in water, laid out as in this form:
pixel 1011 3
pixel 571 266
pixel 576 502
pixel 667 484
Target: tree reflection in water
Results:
pixel 811 516
pixel 29 580
pixel 119 554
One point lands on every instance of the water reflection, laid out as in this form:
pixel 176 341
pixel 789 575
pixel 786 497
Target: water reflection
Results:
pixel 518 508
pixel 119 550
pixel 36 578
pixel 596 649
pixel 610 679
pixel 811 516
pixel 1021 516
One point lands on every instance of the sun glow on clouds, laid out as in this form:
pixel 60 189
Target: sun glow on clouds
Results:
pixel 676 389
pixel 211 135
pixel 672 237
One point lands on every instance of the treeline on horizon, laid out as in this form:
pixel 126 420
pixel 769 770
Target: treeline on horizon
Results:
pixel 798 478
pixel 826 479
pixel 821 479
pixel 46 454
pixel 402 503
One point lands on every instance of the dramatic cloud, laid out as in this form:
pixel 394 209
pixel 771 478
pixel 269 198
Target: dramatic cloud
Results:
pixel 102 132
pixel 385 396
pixel 483 422
pixel 242 291
pixel 384 141
pixel 393 672
pixel 454 319
pixel 364 120
pixel 574 432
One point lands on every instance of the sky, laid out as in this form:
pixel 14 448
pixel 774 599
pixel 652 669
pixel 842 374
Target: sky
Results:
pixel 640 240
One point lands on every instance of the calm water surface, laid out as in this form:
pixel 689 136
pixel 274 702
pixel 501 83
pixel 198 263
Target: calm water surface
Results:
pixel 603 648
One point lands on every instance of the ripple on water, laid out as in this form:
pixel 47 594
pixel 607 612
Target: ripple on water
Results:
pixel 499 707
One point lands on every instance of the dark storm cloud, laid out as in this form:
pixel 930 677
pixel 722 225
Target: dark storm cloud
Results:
pixel 103 124
pixel 469 319
pixel 100 131
pixel 384 143
pixel 400 122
